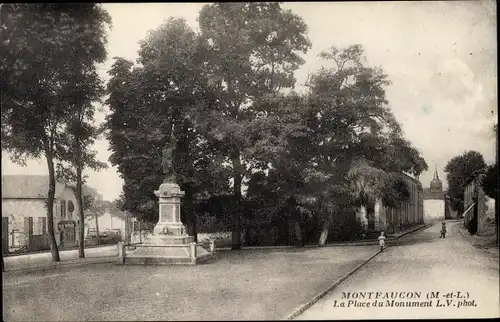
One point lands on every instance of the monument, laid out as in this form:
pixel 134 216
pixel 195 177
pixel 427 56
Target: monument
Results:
pixel 169 244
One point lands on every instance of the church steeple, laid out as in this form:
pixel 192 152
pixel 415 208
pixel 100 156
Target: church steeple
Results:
pixel 436 176
pixel 436 184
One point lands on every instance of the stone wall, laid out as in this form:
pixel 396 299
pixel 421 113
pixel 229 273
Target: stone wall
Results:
pixel 485 208
pixel 202 237
pixel 18 209
pixel 411 212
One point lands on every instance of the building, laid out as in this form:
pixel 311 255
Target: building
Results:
pixel 112 220
pixel 392 220
pixel 479 209
pixel 24 214
pixel 434 200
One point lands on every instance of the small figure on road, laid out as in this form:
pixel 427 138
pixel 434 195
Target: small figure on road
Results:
pixel 381 241
pixel 443 230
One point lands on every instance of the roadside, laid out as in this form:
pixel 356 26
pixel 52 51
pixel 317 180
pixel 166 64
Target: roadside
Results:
pixel 424 264
pixel 364 242
pixel 109 252
pixel 48 251
pixel 68 257
pixel 485 243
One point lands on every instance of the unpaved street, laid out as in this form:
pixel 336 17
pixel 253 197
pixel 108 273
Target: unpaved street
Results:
pixel 420 263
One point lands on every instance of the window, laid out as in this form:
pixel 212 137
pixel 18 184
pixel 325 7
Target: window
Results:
pixel 63 208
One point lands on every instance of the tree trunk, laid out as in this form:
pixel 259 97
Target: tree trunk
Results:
pixel 298 233
pixel 191 228
pixel 97 228
pixel 324 233
pixel 81 218
pixel 3 263
pixel 189 215
pixel 130 229
pixel 50 206
pixel 244 236
pixel 236 234
pixel 249 239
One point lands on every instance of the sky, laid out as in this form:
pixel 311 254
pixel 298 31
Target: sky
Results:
pixel 439 56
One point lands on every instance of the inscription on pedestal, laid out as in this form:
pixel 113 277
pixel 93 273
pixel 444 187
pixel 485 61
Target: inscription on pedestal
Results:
pixel 166 213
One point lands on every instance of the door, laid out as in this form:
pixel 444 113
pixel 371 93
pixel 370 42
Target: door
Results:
pixel 69 233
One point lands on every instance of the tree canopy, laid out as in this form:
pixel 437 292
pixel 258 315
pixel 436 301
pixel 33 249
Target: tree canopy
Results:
pixel 337 143
pixel 458 170
pixel 49 52
pixel 490 181
pixel 150 104
pixel 222 97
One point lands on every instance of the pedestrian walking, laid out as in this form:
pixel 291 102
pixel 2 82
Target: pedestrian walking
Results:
pixel 381 241
pixel 443 230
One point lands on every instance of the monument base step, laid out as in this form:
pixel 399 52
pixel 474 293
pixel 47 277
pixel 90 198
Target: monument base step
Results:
pixel 168 240
pixel 167 255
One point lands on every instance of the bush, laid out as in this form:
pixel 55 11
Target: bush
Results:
pixel 209 224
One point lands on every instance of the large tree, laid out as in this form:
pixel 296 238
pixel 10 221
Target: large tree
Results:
pixel 160 104
pixel 458 170
pixel 339 143
pixel 490 181
pixel 76 155
pixel 81 128
pixel 356 123
pixel 252 50
pixel 47 48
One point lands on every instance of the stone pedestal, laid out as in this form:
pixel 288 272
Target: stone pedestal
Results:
pixel 169 244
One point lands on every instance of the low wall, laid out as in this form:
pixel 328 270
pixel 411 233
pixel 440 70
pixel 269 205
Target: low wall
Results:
pixel 222 236
pixel 202 237
pixel 39 242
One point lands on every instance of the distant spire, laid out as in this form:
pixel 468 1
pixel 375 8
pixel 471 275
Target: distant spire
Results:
pixel 436 176
pixel 436 184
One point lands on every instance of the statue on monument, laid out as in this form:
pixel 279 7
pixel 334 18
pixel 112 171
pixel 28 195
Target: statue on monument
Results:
pixel 167 161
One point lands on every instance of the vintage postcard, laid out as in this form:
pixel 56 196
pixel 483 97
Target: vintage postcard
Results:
pixel 249 161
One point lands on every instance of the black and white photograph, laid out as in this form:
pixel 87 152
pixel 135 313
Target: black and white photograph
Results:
pixel 189 161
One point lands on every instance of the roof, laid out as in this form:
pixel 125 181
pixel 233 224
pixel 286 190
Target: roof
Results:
pixel 118 213
pixel 113 211
pixel 411 178
pixel 28 186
